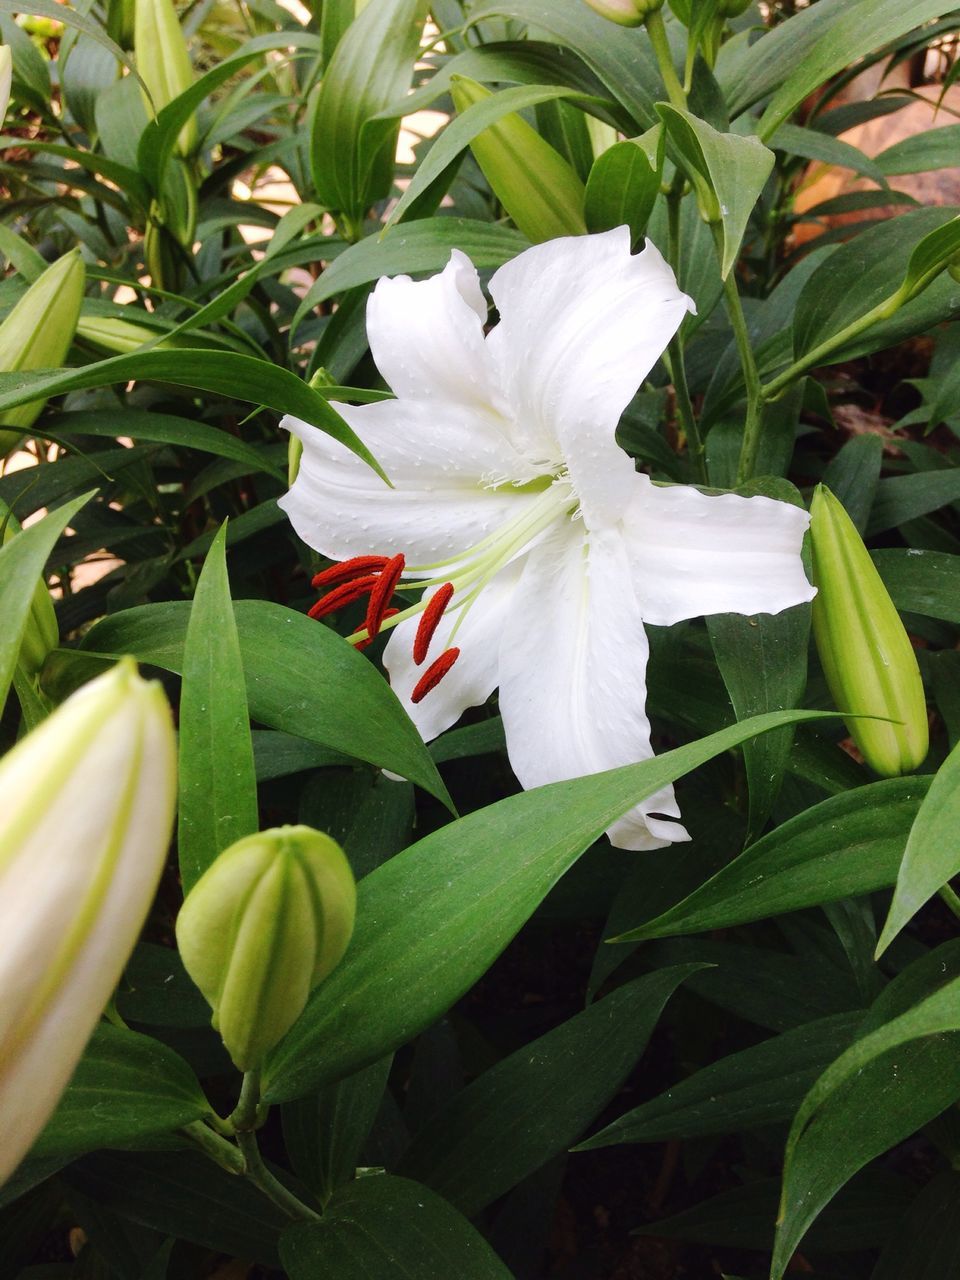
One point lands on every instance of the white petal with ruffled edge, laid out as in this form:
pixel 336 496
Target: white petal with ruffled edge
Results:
pixel 694 554
pixel 475 674
pixel 438 456
pixel 582 323
pixel 426 336
pixel 572 674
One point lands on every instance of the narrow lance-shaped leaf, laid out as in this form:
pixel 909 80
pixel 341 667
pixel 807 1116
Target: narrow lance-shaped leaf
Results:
pixel 218 784
pixel 432 919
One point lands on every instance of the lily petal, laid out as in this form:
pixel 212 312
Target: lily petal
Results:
pixel 426 336
pixel 439 456
pixel 476 672
pixel 692 554
pixel 572 674
pixel 582 323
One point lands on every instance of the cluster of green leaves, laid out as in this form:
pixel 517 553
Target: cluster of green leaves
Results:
pixel 482 1051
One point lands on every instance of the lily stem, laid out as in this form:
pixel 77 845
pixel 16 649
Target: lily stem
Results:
pixel 661 48
pixel 248 1115
pixel 748 363
pixel 951 899
pixel 691 428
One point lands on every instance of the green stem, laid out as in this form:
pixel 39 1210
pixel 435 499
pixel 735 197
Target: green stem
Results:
pixel 951 899
pixel 272 1187
pixel 691 428
pixel 821 353
pixel 217 1149
pixel 751 375
pixel 248 1113
pixel 661 48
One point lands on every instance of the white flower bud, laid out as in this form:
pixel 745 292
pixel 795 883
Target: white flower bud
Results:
pixel 86 809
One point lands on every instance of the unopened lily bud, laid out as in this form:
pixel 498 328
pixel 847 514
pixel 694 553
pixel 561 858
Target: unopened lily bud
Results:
pixel 6 78
pixel 629 13
pixel 865 652
pixel 164 61
pixel 267 921
pixel 37 335
pixel 534 183
pixel 86 809
pixel 41 635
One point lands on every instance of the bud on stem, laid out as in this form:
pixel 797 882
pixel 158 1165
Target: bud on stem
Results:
pixel 261 927
pixel 37 335
pixel 866 654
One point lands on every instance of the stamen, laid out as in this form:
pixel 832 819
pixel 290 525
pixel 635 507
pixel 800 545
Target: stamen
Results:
pixel 382 594
pixel 434 674
pixel 360 645
pixel 430 620
pixel 356 567
pixel 343 595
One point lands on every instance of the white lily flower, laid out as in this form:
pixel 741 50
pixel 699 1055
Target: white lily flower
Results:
pixel 86 809
pixel 509 486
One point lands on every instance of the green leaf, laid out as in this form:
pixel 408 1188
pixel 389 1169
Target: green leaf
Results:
pixel 218 784
pixel 325 1131
pixel 184 1195
pixel 464 128
pixel 865 272
pixel 351 155
pixel 932 855
pixel 850 844
pixel 902 498
pixel 301 677
pixel 759 1086
pixel 22 562
pixel 128 180
pixel 801 54
pixel 901 1073
pixel 126 1087
pixel 728 171
pixel 624 183
pixel 925 582
pixel 852 475
pixel 813 145
pixel 763 661
pixel 932 149
pixel 533 1104
pixel 391 1229
pixel 71 17
pixel 222 372
pixel 933 254
pixel 622 58
pixel 162 428
pixel 414 248
pixel 433 919
pixel 927 1243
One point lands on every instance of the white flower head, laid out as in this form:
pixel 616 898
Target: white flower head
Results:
pixel 510 487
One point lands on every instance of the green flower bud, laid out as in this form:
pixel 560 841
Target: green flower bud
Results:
pixel 628 13
pixel 163 61
pixel 866 654
pixel 261 927
pixel 42 635
pixel 37 334
pixel 534 183
pixel 86 809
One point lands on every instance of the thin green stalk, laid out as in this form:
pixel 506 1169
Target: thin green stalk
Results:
pixel 951 899
pixel 691 428
pixel 217 1149
pixel 819 355
pixel 272 1187
pixel 248 1113
pixel 661 48
pixel 751 375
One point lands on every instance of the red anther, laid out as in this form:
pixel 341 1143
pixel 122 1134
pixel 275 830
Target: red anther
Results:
pixel 430 620
pixel 363 644
pixel 434 674
pixel 382 594
pixel 343 595
pixel 348 570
